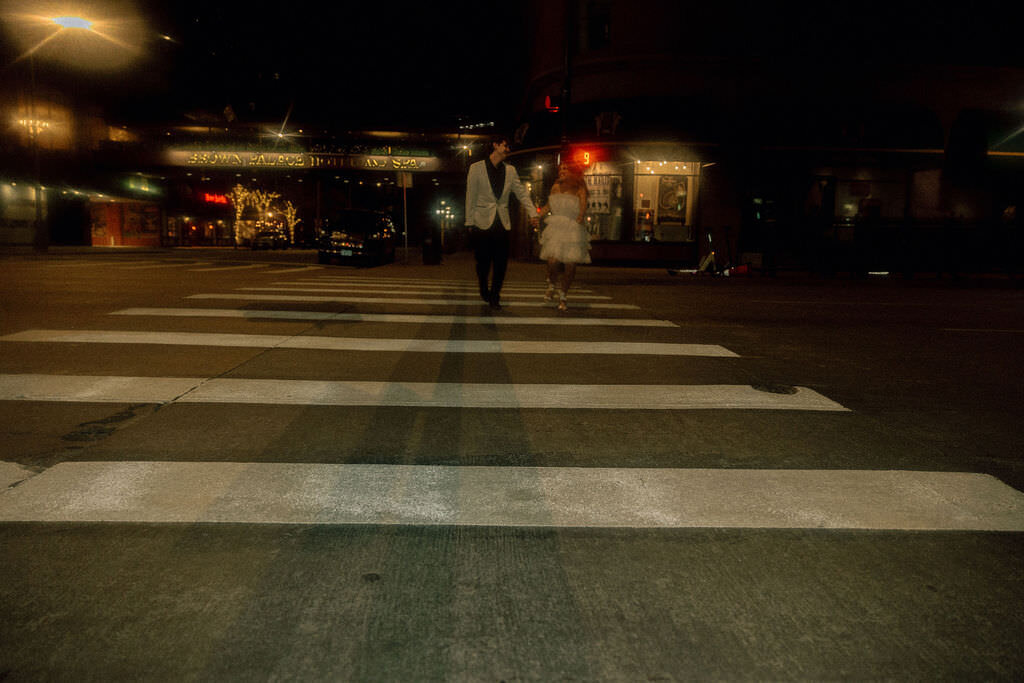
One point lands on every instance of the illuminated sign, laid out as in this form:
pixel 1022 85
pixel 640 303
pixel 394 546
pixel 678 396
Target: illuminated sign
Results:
pixel 301 160
pixel 250 159
pixel 391 163
pixel 586 157
pixel 214 198
pixel 388 151
pixel 326 161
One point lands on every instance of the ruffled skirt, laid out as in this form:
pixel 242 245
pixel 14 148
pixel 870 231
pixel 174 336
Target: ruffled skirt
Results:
pixel 564 240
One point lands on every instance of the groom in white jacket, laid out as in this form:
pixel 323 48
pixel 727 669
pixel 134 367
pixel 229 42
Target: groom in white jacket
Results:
pixel 488 186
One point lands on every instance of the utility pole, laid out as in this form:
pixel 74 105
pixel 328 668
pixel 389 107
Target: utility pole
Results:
pixel 570 33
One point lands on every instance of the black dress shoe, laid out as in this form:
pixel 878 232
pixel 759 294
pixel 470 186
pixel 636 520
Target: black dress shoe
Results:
pixel 486 296
pixel 495 303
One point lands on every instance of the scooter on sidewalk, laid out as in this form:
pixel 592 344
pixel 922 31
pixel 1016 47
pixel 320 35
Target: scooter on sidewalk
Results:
pixel 709 264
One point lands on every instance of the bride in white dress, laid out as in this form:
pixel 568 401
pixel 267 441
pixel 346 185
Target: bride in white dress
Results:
pixel 564 241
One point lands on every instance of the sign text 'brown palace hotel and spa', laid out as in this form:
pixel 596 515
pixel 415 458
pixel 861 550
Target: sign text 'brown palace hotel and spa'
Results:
pixel 384 159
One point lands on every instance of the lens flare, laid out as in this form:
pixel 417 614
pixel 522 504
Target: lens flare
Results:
pixel 95 35
pixel 73 22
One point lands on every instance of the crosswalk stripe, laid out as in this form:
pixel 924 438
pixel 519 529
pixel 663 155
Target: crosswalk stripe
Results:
pixel 426 282
pixel 393 317
pixel 77 388
pixel 425 292
pixel 99 263
pixel 292 270
pixel 377 344
pixel 419 302
pixel 834 302
pixel 983 330
pixel 311 493
pixel 409 280
pixel 316 282
pixel 210 270
pixel 99 389
pixel 166 265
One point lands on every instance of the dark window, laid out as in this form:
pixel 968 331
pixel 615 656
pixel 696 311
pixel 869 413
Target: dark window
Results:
pixel 596 25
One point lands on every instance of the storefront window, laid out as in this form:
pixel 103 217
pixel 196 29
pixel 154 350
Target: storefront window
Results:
pixel 665 199
pixel 604 202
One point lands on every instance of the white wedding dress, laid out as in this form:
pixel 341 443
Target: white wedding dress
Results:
pixel 563 239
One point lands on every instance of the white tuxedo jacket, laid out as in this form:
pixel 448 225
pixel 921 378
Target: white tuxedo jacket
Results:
pixel 481 204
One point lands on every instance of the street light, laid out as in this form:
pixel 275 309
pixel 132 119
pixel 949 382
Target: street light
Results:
pixel 73 41
pixel 73 22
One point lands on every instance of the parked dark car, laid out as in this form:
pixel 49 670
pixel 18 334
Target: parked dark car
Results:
pixel 357 236
pixel 270 239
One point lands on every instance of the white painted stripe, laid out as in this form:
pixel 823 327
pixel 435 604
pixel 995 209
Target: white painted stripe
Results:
pixel 285 493
pixel 267 341
pixel 457 395
pixel 406 280
pixel 394 317
pixel 12 473
pixel 166 265
pixel 98 389
pixel 291 270
pixel 316 282
pixel 573 305
pixel 407 394
pixel 982 330
pixel 210 270
pixel 424 292
pixel 834 302
pixel 103 263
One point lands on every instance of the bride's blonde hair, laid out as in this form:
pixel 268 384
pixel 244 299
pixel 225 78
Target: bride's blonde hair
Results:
pixel 574 178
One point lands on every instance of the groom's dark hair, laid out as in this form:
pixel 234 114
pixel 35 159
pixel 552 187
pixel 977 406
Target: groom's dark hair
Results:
pixel 497 140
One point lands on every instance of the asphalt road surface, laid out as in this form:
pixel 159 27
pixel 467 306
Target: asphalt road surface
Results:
pixel 218 465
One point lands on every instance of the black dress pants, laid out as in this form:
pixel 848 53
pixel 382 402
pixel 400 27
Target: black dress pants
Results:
pixel 491 250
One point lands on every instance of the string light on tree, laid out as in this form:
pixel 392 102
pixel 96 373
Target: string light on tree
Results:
pixel 291 218
pixel 263 203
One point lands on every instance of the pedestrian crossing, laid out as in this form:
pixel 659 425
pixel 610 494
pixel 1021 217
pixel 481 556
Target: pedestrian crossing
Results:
pixel 160 266
pixel 368 344
pixel 408 301
pixel 215 269
pixel 163 390
pixel 463 291
pixel 173 491
pixel 129 265
pixel 437 319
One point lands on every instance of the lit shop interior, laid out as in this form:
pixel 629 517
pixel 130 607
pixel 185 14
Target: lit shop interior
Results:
pixel 636 200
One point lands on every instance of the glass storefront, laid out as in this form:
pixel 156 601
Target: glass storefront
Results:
pixel 665 200
pixel 196 231
pixel 605 198
pixel 642 198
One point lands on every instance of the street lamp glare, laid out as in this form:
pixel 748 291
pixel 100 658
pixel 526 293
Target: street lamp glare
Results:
pixel 73 22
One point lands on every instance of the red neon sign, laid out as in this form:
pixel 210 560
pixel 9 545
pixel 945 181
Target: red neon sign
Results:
pixel 215 198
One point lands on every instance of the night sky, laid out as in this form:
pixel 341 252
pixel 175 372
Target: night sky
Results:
pixel 423 65
pixel 379 63
pixel 337 64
